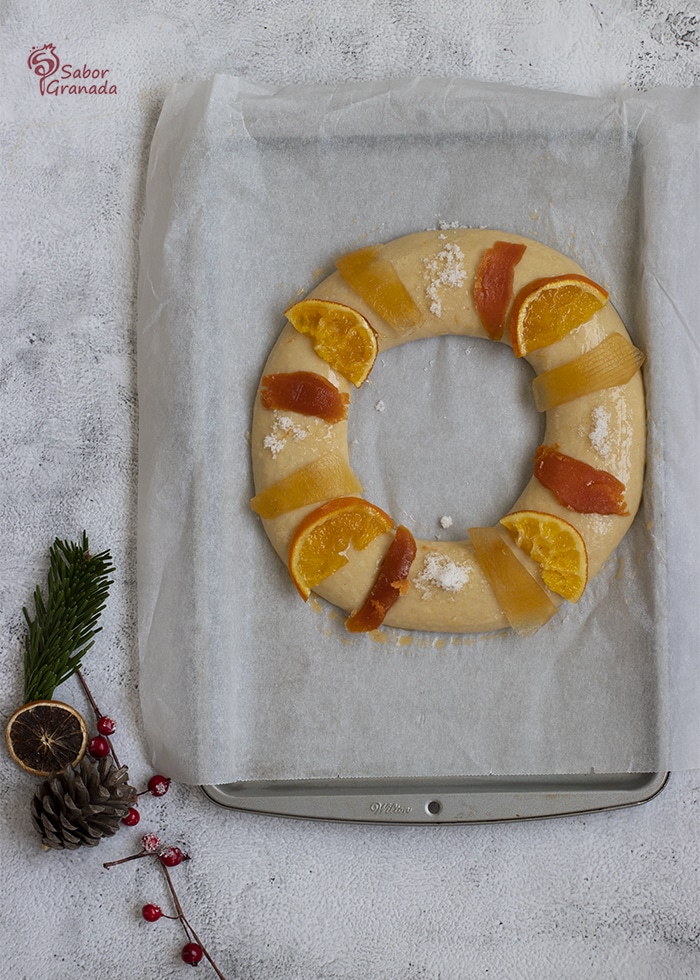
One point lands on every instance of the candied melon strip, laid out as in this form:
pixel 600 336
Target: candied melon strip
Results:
pixel 375 279
pixel 328 476
pixel 524 602
pixel 613 362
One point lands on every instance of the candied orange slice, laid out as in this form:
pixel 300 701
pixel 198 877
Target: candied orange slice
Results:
pixel 493 285
pixel 524 602
pixel 546 310
pixel 328 476
pixel 556 546
pixel 375 279
pixel 320 543
pixel 305 392
pixel 390 583
pixel 341 336
pixel 613 362
pixel 579 486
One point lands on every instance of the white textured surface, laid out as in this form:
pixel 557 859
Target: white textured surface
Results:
pixel 614 895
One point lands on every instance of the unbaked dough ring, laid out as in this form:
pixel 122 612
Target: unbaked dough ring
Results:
pixel 576 428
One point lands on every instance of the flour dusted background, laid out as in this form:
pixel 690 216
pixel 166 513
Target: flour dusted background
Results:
pixel 614 894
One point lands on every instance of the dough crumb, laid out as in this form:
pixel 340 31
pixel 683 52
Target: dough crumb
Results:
pixel 446 521
pixel 440 572
pixel 380 406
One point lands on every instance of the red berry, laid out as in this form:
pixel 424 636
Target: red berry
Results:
pixel 98 747
pixel 158 785
pixel 150 843
pixel 172 856
pixel 132 817
pixel 151 913
pixel 105 725
pixel 192 953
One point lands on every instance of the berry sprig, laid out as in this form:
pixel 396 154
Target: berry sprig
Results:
pixel 85 795
pixel 101 745
pixel 170 856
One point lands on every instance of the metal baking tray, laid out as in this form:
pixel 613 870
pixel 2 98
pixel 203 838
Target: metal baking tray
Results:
pixel 473 799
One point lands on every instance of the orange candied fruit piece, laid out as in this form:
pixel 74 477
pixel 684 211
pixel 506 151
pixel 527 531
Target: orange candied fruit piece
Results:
pixel 328 476
pixel 320 543
pixel 390 583
pixel 578 485
pixel 493 285
pixel 546 310
pixel 339 335
pixel 556 546
pixel 375 279
pixel 614 361
pixel 305 392
pixel 524 602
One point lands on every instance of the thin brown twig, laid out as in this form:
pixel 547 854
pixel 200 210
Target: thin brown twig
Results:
pixel 131 857
pixel 186 921
pixel 98 714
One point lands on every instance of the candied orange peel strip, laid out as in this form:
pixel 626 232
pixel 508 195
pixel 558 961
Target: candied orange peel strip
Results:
pixel 375 279
pixel 493 285
pixel 305 392
pixel 390 583
pixel 328 476
pixel 613 362
pixel 578 485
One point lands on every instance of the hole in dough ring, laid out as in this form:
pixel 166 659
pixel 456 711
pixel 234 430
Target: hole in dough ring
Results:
pixel 605 429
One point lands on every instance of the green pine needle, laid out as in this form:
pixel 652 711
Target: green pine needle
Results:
pixel 64 625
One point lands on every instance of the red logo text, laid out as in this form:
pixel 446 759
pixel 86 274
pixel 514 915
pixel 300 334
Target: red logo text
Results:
pixel 64 79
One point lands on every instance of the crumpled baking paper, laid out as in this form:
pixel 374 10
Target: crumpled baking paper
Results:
pixel 252 193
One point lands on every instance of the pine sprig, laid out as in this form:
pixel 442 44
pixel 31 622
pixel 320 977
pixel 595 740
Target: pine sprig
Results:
pixel 64 625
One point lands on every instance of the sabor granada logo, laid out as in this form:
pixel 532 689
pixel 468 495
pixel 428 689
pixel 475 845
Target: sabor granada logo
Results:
pixel 58 79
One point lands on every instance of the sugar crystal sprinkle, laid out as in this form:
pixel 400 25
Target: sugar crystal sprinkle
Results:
pixel 439 571
pixel 443 270
pixel 599 434
pixel 283 428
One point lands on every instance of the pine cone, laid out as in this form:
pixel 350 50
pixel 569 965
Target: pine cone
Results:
pixel 82 805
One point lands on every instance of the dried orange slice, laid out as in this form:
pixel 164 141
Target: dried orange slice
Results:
pixel 45 736
pixel 328 476
pixel 546 310
pixel 341 336
pixel 320 543
pixel 556 546
pixel 375 279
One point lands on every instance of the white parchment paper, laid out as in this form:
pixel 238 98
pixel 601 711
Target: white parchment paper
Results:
pixel 252 193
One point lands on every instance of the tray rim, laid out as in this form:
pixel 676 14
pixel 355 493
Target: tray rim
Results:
pixel 439 802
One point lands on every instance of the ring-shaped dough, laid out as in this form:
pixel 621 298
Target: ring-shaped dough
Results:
pixel 618 445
